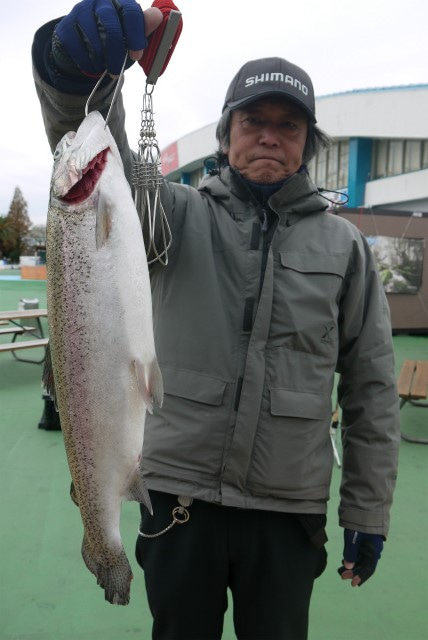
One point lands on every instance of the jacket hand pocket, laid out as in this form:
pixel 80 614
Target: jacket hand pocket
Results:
pixel 299 404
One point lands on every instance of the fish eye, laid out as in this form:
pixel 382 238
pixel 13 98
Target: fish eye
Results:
pixel 63 144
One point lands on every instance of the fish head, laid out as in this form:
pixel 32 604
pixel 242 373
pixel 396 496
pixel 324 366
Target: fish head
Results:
pixel 79 160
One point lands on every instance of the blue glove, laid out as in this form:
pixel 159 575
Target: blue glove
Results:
pixel 363 549
pixel 96 35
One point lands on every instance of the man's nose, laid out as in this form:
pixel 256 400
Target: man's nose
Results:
pixel 269 135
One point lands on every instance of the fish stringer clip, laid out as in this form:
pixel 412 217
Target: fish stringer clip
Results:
pixel 180 515
pixel 147 179
pixel 147 175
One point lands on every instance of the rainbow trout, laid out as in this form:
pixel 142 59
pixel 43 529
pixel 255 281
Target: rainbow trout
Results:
pixel 102 353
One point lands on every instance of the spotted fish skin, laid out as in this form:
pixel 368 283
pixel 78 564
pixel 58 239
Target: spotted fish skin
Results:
pixel 102 353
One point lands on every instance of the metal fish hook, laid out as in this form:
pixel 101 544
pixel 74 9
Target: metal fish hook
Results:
pixel 113 100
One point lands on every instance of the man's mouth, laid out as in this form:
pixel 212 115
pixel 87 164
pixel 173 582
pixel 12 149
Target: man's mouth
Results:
pixel 267 159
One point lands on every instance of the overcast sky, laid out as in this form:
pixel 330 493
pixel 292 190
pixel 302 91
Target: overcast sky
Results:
pixel 342 44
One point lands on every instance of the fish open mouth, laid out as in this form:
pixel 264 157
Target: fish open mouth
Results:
pixel 90 176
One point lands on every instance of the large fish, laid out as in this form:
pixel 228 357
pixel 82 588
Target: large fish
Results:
pixel 102 354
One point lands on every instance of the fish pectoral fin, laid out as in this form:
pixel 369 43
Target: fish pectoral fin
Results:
pixel 48 380
pixel 139 492
pixel 103 222
pixel 73 494
pixel 150 383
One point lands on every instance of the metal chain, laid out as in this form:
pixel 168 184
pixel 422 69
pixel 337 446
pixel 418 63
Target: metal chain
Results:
pixel 147 179
pixel 180 515
pixel 147 170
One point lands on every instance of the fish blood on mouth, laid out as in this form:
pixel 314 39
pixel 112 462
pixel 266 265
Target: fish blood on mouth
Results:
pixel 101 367
pixel 90 175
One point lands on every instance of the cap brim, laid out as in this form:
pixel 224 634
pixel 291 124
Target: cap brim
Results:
pixel 282 94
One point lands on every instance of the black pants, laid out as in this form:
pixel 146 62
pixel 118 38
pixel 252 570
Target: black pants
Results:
pixel 264 557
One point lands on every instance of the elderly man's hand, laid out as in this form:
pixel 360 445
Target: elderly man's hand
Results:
pixel 97 34
pixel 360 556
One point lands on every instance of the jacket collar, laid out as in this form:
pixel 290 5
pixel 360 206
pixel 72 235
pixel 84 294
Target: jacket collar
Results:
pixel 297 197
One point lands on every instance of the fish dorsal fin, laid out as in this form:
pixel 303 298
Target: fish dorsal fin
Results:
pixel 150 384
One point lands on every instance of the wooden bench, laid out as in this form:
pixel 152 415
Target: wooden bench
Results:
pixel 16 330
pixel 13 320
pixel 25 344
pixel 413 387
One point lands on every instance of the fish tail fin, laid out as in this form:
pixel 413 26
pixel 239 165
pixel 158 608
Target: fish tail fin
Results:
pixel 115 579
pixel 139 492
pixel 150 383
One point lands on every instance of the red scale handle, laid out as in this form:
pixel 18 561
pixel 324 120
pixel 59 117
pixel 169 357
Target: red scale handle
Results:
pixel 146 61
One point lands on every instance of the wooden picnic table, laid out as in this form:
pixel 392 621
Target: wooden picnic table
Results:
pixel 14 326
pixel 413 387
pixel 22 314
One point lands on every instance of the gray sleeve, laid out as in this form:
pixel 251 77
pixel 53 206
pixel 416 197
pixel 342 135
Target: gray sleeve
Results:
pixel 368 398
pixel 63 112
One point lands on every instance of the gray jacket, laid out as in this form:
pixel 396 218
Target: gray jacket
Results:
pixel 250 331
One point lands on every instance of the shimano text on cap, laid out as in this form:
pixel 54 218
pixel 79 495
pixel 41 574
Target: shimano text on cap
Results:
pixel 268 77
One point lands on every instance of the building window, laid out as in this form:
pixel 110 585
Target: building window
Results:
pixel 412 155
pixel 380 158
pixel 329 168
pixel 343 164
pixel 393 157
pixel 425 154
pixel 321 168
pixel 332 166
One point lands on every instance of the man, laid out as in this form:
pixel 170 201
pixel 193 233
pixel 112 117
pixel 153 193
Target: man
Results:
pixel 264 297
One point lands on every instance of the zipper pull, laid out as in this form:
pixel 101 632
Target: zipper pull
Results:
pixel 264 221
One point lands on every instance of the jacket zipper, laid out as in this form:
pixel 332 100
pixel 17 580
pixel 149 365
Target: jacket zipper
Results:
pixel 267 234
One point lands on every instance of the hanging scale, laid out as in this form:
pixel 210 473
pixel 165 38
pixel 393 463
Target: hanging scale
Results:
pixel 147 171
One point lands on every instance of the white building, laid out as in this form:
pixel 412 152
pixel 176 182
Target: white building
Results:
pixel 379 156
pixel 379 159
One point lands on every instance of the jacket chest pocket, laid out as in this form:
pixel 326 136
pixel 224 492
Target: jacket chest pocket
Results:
pixel 326 269
pixel 307 289
pixel 310 281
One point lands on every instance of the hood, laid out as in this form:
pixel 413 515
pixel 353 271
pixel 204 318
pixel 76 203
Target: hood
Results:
pixel 298 195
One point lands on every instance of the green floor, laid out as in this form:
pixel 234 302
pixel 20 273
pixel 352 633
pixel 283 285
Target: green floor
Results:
pixel 46 593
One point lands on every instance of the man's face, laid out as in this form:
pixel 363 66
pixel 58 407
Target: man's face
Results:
pixel 267 139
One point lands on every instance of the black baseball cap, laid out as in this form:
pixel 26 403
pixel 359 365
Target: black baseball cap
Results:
pixel 271 77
